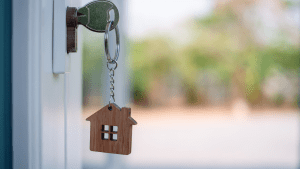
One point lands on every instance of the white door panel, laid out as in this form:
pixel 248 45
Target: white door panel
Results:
pixel 46 107
pixel 52 98
pixel 73 89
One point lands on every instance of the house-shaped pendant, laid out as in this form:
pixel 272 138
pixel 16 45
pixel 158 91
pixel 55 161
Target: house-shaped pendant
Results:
pixel 111 130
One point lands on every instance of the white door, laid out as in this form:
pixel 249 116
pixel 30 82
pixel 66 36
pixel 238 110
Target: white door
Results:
pixel 47 120
pixel 46 106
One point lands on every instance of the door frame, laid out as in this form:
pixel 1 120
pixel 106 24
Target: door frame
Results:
pixel 43 136
pixel 26 42
pixel 5 85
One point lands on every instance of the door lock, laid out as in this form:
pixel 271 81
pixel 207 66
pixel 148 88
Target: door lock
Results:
pixel 93 16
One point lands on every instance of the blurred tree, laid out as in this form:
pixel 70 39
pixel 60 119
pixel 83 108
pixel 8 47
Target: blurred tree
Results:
pixel 151 61
pixel 227 33
pixel 227 42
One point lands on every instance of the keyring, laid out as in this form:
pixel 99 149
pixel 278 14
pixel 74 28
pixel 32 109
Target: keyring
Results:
pixel 108 26
pixel 112 68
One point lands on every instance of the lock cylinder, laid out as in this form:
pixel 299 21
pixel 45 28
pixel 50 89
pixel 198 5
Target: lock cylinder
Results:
pixel 72 24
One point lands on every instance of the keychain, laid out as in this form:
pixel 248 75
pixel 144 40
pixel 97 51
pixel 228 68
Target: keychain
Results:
pixel 111 126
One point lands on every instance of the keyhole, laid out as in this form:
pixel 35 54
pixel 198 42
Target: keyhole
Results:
pixel 111 15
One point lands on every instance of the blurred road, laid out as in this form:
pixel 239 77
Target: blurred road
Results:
pixel 185 137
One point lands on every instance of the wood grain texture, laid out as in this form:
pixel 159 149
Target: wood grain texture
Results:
pixel 114 117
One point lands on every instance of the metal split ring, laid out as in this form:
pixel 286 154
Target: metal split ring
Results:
pixel 108 27
pixel 112 68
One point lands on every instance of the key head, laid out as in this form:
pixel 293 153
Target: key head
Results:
pixel 95 15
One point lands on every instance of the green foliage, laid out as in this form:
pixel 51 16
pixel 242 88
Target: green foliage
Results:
pixel 261 61
pixel 151 59
pixel 216 45
pixel 191 94
pixel 155 59
pixel 210 20
pixel 219 43
pixel 200 59
pixel 141 86
pixel 218 19
pixel 288 56
pixel 141 73
pixel 291 3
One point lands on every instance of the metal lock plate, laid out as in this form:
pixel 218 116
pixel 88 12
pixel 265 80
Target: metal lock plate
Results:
pixel 61 60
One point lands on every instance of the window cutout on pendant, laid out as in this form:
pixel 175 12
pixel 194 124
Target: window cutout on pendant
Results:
pixel 104 136
pixel 114 129
pixel 113 137
pixel 105 128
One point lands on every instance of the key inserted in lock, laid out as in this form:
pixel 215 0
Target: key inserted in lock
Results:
pixel 93 16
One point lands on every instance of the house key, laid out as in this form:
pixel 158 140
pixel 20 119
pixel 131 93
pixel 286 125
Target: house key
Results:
pixel 95 15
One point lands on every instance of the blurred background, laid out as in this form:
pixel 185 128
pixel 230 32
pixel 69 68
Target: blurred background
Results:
pixel 211 83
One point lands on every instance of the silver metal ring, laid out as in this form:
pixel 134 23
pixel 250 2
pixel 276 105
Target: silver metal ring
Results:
pixel 108 26
pixel 112 68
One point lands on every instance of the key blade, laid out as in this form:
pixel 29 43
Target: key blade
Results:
pixel 83 16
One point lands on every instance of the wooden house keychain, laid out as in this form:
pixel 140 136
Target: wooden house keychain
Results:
pixel 111 126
